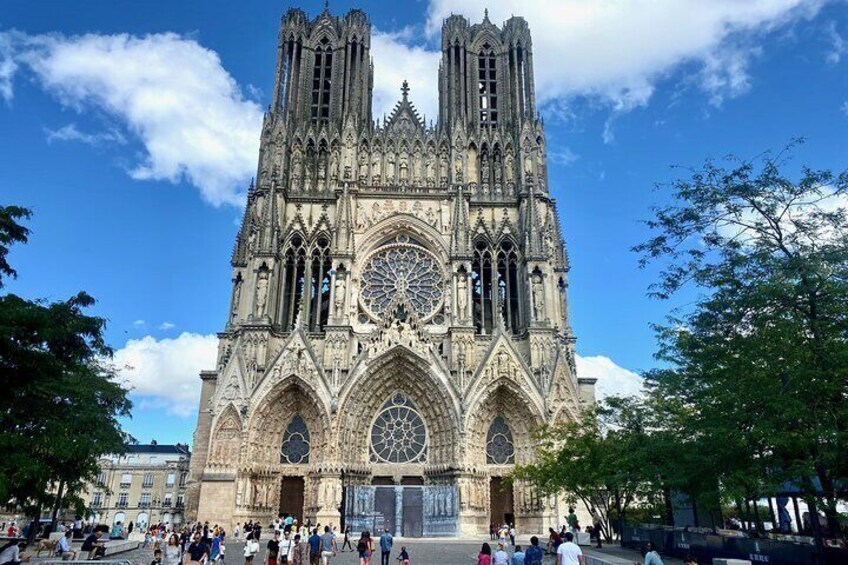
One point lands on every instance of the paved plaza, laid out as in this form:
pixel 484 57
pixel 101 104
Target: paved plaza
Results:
pixel 422 552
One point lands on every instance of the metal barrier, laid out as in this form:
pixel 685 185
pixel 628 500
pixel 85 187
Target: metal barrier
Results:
pixel 86 561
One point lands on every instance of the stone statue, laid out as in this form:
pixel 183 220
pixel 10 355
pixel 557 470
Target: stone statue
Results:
pixel 538 298
pixel 528 163
pixel 348 162
pixel 334 164
pixel 236 297
pixel 404 169
pixel 416 167
pixel 376 166
pixel 261 292
pixel 391 161
pixel 297 166
pixel 457 168
pixel 363 166
pixel 462 297
pixel 431 167
pixel 443 167
pixel 509 168
pixel 339 297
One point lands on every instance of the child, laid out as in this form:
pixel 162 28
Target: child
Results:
pixel 404 556
pixel 157 557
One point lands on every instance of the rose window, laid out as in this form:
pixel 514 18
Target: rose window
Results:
pixel 398 434
pixel 406 269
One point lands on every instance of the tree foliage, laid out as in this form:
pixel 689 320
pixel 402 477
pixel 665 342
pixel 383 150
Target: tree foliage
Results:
pixel 61 402
pixel 751 393
pixel 761 361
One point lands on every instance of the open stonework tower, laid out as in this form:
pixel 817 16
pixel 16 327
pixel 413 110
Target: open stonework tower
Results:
pixel 398 325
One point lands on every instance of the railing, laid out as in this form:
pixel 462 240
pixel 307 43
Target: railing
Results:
pixel 166 503
pixel 125 485
pixel 121 504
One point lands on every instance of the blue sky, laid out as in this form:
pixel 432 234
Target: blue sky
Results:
pixel 131 130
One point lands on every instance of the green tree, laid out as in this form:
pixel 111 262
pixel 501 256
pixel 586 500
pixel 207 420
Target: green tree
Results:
pixel 760 361
pixel 61 400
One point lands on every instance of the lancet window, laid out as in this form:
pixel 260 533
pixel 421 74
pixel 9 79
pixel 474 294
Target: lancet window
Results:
pixel 295 448
pixel 322 81
pixel 488 86
pixel 500 449
pixel 294 272
pixel 321 265
pixel 496 288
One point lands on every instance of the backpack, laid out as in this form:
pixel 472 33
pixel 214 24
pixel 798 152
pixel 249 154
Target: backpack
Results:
pixel 361 546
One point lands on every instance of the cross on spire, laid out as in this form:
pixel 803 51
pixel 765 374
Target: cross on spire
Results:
pixel 326 5
pixel 404 89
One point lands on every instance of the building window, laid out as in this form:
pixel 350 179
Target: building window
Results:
pixel 101 479
pixel 179 501
pixel 96 499
pixel 488 86
pixel 144 502
pixel 123 499
pixel 148 480
pixel 126 480
pixel 168 499
pixel 183 477
pixel 295 448
pixel 398 434
pixel 170 480
pixel 500 449
pixel 321 266
pixel 322 81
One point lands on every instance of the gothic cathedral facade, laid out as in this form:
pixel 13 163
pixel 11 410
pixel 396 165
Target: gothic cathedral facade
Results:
pixel 398 324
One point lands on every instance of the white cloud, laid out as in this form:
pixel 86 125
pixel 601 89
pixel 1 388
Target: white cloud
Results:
pixel 617 50
pixel 396 60
pixel 172 93
pixel 167 326
pixel 139 323
pixel 564 156
pixel 612 379
pixel 164 373
pixel 838 45
pixel 70 132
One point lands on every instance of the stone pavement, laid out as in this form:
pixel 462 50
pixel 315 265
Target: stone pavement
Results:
pixel 422 552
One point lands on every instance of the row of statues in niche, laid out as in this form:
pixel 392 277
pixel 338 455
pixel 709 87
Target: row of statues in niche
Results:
pixel 495 173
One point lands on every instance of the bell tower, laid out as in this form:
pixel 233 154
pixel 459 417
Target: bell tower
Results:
pixel 324 71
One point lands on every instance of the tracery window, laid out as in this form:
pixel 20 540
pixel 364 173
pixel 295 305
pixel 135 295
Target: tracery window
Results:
pixel 402 267
pixel 294 272
pixel 295 448
pixel 488 86
pixel 496 287
pixel 319 312
pixel 500 449
pixel 322 81
pixel 398 434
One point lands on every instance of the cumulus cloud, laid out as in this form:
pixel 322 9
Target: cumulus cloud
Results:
pixel 164 373
pixel 612 379
pixel 70 132
pixel 612 51
pixel 167 326
pixel 396 60
pixel 174 95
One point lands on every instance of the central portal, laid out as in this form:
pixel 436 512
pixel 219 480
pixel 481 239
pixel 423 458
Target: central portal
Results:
pixel 501 502
pixel 408 511
pixel 291 497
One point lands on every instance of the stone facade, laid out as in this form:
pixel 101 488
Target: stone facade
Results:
pixel 399 303
pixel 144 485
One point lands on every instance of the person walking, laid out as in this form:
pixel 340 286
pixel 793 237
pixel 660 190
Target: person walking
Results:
pixel 518 557
pixel 534 553
pixel 386 542
pixel 197 552
pixel 314 547
pixel 500 557
pixel 272 549
pixel 328 546
pixel 172 553
pixel 569 553
pixel 512 534
pixel 365 548
pixel 347 539
pixel 485 555
pixel 251 548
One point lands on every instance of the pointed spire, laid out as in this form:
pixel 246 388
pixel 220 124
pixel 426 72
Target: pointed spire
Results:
pixel 460 221
pixel 344 223
pixel 404 89
pixel 486 15
pixel 532 227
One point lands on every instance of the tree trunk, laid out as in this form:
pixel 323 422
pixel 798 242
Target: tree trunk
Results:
pixel 669 507
pixel 57 503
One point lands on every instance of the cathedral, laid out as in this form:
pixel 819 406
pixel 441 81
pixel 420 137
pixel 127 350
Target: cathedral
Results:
pixel 398 324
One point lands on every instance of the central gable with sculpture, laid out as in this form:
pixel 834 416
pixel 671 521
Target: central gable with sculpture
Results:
pixel 398 325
